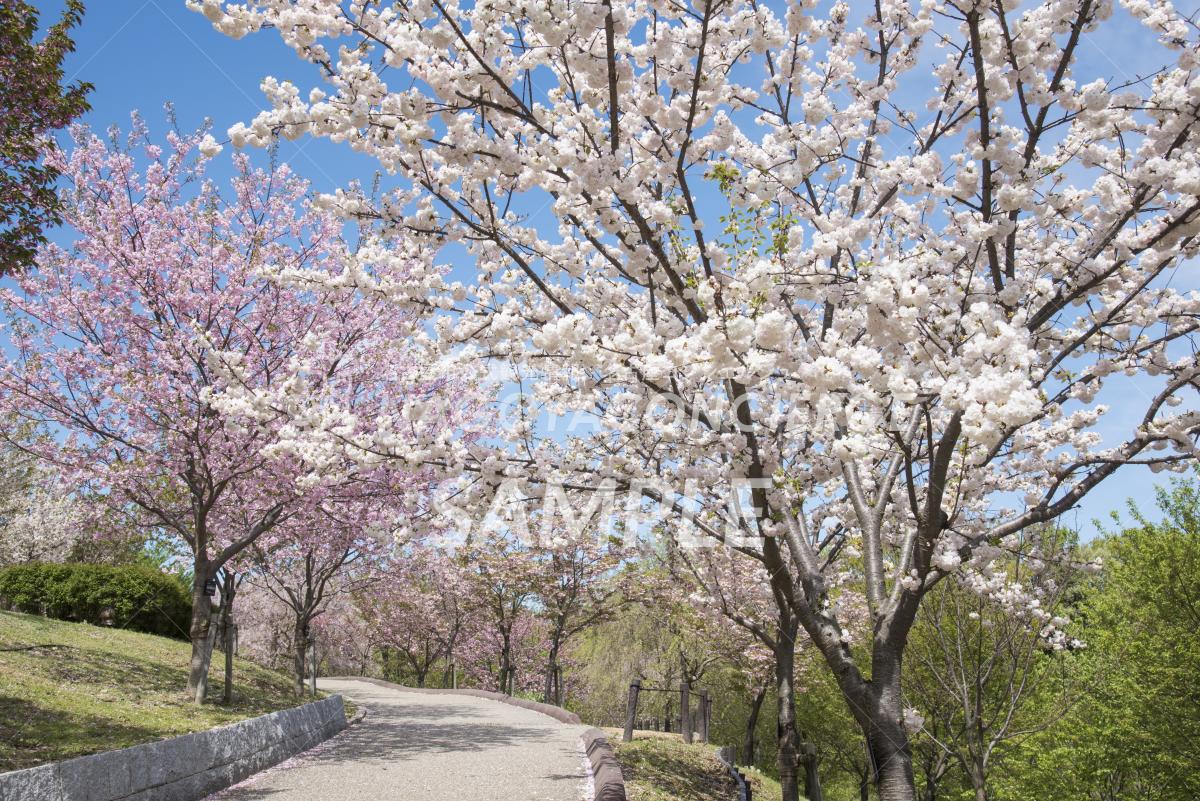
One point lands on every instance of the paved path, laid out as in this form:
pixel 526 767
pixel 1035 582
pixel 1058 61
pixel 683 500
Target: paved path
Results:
pixel 427 747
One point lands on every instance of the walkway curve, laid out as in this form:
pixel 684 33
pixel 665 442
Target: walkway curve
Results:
pixel 428 747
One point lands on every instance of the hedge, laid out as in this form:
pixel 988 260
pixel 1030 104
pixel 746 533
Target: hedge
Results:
pixel 139 597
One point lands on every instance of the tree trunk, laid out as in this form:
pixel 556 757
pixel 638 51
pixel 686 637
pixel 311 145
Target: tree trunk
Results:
pixel 199 630
pixel 227 594
pixel 752 725
pixel 424 665
pixel 978 775
pixel 789 738
pixel 312 662
pixel 299 654
pixel 505 668
pixel 812 777
pixel 886 736
pixel 201 695
pixel 548 694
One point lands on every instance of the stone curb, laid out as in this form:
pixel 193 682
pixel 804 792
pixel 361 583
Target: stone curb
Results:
pixel 185 768
pixel 606 771
pixel 726 755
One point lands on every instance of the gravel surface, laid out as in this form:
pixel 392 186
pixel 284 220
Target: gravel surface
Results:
pixel 427 747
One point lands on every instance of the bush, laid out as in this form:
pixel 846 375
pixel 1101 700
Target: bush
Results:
pixel 140 598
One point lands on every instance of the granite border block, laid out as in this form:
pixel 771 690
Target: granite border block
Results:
pixel 184 768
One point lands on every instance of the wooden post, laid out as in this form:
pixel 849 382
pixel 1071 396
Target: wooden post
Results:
pixel 685 712
pixel 702 726
pixel 631 705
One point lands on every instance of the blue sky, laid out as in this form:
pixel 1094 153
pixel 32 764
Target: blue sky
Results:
pixel 140 54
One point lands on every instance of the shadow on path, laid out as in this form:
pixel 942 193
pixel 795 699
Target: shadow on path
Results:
pixel 417 747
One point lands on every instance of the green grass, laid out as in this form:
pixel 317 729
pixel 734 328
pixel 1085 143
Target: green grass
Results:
pixel 664 769
pixel 98 689
pixel 659 767
pixel 763 787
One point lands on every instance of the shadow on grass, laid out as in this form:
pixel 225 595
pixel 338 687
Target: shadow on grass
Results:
pixel 31 734
pixel 106 668
pixel 105 689
pixel 254 689
pixel 667 770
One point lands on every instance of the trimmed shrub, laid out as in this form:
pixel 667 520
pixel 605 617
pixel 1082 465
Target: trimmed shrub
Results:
pixel 135 597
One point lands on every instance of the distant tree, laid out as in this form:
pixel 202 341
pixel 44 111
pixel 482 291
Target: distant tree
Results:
pixel 418 614
pixel 115 341
pixel 501 574
pixel 981 677
pixel 34 101
pixel 577 587
pixel 40 520
pixel 264 627
pixel 337 546
pixel 1135 733
pixel 304 577
pixel 346 641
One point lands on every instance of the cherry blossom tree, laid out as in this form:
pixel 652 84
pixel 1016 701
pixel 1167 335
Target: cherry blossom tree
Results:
pixel 731 593
pixel 420 612
pixel 341 541
pixel 506 655
pixel 318 555
pixel 578 586
pixel 346 642
pixel 501 573
pixel 404 625
pixel 842 287
pixel 40 520
pixel 113 337
pixel 264 626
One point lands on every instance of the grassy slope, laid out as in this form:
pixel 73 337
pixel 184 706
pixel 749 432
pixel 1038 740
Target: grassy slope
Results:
pixel 659 767
pixel 764 787
pixel 109 689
